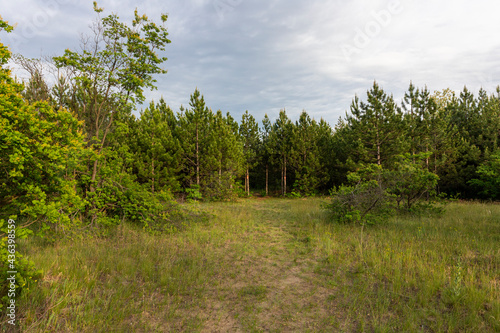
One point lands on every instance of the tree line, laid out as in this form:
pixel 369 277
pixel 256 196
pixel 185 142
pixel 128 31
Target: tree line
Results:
pixel 196 153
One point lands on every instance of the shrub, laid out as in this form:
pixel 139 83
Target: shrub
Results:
pixel 373 194
pixel 365 200
pixel 12 260
pixel 489 177
pixel 409 181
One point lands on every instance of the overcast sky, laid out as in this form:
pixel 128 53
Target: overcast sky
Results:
pixel 263 56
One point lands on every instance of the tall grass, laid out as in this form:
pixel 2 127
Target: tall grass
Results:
pixel 274 265
pixel 417 274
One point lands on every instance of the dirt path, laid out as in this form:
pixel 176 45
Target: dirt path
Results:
pixel 270 286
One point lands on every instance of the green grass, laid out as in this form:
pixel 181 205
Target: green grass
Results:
pixel 274 265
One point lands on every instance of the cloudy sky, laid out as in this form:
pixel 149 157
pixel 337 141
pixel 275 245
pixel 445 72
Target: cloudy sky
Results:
pixel 264 56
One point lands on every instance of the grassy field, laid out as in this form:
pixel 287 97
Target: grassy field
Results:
pixel 275 265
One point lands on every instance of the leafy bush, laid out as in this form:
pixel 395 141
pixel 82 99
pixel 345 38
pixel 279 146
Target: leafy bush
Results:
pixel 374 193
pixel 294 194
pixel 364 201
pixel 12 260
pixel 41 149
pixel 193 193
pixel 222 187
pixel 489 177
pixel 409 181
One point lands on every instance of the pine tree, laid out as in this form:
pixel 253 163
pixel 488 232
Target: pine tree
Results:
pixel 157 150
pixel 412 117
pixel 266 150
pixel 378 127
pixel 328 155
pixel 451 151
pixel 249 134
pixel 281 146
pixel 309 171
pixel 193 133
pixel 224 162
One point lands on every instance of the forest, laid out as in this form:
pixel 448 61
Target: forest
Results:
pixel 82 154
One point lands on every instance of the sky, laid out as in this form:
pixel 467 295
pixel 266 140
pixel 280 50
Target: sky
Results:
pixel 263 56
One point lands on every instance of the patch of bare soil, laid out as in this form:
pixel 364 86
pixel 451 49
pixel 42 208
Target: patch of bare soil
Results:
pixel 267 294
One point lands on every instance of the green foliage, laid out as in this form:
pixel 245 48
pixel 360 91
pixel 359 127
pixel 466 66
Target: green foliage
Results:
pixel 280 147
pixel 409 181
pixel 156 151
pixel 212 154
pixel 23 148
pixel 193 193
pixel 11 260
pixel 126 59
pixel 365 200
pixel 103 82
pixel 375 193
pixel 194 135
pixel 294 194
pixel 249 135
pixel 489 177
pixel 310 172
pixel 41 149
pixel 220 187
pixel 228 160
pixel 476 123
pixel 376 127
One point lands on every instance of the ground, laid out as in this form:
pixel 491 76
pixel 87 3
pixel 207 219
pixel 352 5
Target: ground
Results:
pixel 274 265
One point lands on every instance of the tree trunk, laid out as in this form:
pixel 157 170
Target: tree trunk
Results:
pixel 427 158
pixel 153 169
pixel 247 182
pixel 435 163
pixel 379 162
pixel 220 173
pixel 94 174
pixel 284 179
pixel 153 174
pixel 267 180
pixel 197 158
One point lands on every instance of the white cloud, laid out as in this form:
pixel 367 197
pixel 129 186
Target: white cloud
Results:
pixel 266 55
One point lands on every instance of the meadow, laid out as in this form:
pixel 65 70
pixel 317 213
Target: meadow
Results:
pixel 274 265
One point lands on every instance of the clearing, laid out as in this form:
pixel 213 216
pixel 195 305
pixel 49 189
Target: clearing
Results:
pixel 274 265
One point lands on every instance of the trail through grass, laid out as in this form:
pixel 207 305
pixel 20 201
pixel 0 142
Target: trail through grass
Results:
pixel 275 265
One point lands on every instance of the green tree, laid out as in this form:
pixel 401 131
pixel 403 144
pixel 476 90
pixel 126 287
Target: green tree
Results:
pixel 158 152
pixel 266 150
pixel 36 88
pixel 280 141
pixel 196 140
pixel 327 155
pixel 41 148
pixel 443 137
pixel 463 120
pixel 224 160
pixel 428 128
pixel 410 180
pixel 343 145
pixel 114 67
pixel 364 199
pixel 488 181
pixel 376 126
pixel 249 133
pixel 310 173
